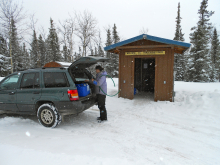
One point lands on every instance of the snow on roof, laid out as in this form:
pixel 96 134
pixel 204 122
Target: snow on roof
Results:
pixel 1 78
pixel 64 64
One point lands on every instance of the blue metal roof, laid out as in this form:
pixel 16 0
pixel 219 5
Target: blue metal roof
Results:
pixel 148 37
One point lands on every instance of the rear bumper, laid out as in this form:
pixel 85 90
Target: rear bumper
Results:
pixel 74 107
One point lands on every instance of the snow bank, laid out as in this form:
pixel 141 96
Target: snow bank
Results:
pixel 198 96
pixel 138 131
pixel 1 78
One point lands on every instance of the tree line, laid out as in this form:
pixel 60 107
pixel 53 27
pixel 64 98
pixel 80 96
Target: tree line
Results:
pixel 201 63
pixel 17 54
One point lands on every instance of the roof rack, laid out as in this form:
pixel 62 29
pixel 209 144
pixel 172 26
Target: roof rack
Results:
pixel 53 68
pixel 32 68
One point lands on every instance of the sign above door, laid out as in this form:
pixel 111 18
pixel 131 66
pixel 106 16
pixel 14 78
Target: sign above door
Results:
pixel 145 53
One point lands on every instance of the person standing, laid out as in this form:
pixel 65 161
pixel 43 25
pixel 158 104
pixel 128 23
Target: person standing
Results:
pixel 101 90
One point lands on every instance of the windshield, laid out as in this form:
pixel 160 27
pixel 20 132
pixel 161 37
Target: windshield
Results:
pixel 10 82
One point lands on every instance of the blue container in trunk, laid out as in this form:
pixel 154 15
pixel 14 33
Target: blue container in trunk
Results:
pixel 83 89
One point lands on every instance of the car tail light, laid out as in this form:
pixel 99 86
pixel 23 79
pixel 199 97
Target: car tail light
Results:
pixel 73 95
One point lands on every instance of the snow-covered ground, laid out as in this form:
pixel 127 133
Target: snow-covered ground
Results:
pixel 1 78
pixel 138 131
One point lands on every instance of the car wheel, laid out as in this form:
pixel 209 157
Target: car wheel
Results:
pixel 48 115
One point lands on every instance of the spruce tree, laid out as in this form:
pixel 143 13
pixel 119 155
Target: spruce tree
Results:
pixel 100 52
pixel 96 52
pixel 115 57
pixel 179 36
pixel 179 60
pixel 92 53
pixel 21 63
pixel 57 56
pixel 3 46
pixel 53 47
pixel 42 51
pixel 3 65
pixel 26 57
pixel 35 51
pixel 215 48
pixel 4 59
pixel 14 48
pixel 199 61
pixel 65 53
pixel 215 56
pixel 75 55
pixel 108 54
pixel 78 55
pixel 70 57
pixel 115 37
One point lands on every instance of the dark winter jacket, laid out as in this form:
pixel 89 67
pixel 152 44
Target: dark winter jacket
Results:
pixel 101 82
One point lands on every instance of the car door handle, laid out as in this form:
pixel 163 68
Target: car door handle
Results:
pixel 11 93
pixel 36 92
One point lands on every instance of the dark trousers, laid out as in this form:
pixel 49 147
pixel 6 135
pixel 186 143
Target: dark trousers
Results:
pixel 101 105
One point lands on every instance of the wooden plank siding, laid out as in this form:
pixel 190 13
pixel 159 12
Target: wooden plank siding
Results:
pixel 132 76
pixel 119 75
pixel 156 94
pixel 172 73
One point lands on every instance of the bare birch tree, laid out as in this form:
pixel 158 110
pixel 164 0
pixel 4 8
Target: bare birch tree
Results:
pixel 10 10
pixel 43 32
pixel 67 29
pixel 143 31
pixel 33 22
pixel 86 29
pixel 62 30
pixel 98 39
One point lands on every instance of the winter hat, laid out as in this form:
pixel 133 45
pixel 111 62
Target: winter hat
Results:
pixel 99 68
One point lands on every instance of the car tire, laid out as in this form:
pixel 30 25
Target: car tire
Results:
pixel 48 115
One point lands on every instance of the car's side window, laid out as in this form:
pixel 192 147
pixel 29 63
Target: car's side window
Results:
pixel 10 83
pixel 55 80
pixel 37 81
pixel 30 80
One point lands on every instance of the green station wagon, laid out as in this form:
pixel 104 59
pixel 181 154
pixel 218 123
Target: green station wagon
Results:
pixel 49 93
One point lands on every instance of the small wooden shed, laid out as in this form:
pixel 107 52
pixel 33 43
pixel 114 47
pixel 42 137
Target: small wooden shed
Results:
pixel 147 63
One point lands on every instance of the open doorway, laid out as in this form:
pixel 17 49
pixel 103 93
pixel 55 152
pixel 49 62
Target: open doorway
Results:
pixel 144 75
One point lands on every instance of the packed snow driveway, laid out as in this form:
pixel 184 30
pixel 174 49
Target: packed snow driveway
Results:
pixel 138 131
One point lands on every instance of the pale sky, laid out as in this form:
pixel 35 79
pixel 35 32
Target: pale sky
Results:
pixel 130 16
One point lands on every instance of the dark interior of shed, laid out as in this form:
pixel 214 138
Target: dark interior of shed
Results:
pixel 144 74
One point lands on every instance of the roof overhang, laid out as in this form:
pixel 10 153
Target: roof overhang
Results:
pixel 178 46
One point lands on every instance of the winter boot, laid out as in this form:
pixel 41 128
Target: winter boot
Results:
pixel 100 121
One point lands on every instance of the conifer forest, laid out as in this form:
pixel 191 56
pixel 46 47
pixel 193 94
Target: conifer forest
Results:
pixel 23 46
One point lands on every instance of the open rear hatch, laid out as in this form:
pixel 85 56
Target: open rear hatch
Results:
pixel 86 62
pixel 79 72
pixel 78 69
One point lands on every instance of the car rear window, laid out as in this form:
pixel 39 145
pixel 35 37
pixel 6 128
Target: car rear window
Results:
pixel 55 80
pixel 81 74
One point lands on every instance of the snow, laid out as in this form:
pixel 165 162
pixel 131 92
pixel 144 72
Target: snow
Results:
pixel 65 64
pixel 138 131
pixel 1 78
